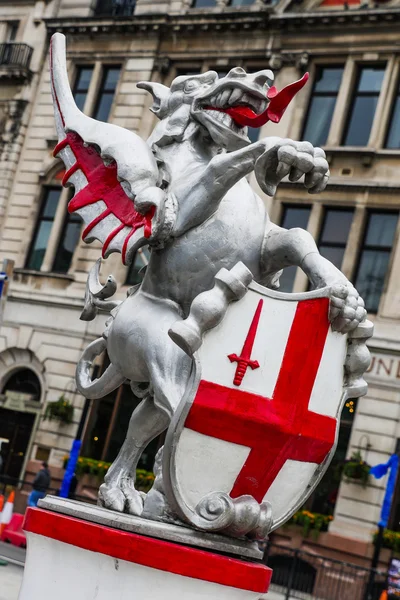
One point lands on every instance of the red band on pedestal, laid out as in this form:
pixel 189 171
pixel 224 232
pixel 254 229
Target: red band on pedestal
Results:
pixel 149 552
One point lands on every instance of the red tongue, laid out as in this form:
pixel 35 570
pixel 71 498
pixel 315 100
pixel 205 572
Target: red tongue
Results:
pixel 278 103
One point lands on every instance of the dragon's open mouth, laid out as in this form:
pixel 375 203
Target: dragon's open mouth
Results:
pixel 239 109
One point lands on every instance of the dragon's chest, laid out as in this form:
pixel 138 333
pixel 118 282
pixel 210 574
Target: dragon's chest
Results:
pixel 187 265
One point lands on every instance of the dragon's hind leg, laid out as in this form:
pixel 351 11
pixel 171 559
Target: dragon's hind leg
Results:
pixel 167 368
pixel 118 490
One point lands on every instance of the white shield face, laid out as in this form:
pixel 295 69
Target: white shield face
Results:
pixel 262 416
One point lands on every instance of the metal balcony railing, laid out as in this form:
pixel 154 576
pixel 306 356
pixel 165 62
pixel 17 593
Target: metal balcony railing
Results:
pixel 15 55
pixel 114 8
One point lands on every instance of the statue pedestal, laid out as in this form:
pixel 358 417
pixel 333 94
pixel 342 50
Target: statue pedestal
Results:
pixel 69 557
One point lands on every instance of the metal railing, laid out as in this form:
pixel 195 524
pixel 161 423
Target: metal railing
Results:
pixel 114 8
pixel 15 55
pixel 305 576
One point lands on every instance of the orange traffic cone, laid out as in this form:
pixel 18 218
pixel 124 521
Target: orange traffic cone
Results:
pixel 1 504
pixel 7 512
pixel 384 595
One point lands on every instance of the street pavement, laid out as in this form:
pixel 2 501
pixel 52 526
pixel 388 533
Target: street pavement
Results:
pixel 11 573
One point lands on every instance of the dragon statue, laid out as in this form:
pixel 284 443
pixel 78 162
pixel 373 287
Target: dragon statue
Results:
pixel 185 194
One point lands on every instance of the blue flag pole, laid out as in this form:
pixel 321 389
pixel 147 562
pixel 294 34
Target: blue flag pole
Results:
pixel 379 471
pixel 74 454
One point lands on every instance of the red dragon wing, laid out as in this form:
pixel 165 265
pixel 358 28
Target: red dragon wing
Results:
pixel 108 167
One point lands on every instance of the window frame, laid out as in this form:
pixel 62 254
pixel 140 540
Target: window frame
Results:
pixel 392 107
pixel 100 91
pixel 353 94
pixel 321 65
pixel 61 230
pixel 77 68
pixel 42 203
pixel 284 206
pixel 370 211
pixel 332 207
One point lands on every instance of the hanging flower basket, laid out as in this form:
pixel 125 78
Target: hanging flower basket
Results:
pixel 61 410
pixel 356 470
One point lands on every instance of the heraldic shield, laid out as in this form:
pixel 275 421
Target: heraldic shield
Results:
pixel 260 422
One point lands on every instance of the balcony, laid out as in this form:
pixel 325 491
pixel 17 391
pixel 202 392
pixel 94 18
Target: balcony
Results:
pixel 15 60
pixel 114 8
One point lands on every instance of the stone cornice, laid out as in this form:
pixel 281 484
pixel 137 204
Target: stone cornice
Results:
pixel 335 17
pixel 225 19
pixel 190 21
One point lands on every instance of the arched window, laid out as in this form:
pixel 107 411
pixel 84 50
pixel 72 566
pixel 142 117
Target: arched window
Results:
pixel 24 382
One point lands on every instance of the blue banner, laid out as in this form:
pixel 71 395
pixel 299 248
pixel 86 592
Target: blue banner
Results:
pixel 379 471
pixel 69 473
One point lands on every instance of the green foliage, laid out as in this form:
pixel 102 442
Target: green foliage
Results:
pixel 314 522
pixel 356 469
pixel 61 410
pixel 391 539
pixel 98 468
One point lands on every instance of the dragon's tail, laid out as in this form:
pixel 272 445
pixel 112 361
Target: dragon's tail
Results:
pixel 106 383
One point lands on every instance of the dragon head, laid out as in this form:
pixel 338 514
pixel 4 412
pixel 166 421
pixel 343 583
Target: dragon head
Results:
pixel 224 106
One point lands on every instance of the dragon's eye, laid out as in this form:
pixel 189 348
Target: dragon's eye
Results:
pixel 191 85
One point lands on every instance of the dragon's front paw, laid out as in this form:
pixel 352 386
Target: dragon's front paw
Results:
pixel 347 309
pixel 293 159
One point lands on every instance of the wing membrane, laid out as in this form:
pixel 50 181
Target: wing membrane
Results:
pixel 98 157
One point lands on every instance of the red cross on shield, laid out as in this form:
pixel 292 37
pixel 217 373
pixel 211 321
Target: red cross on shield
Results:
pixel 261 417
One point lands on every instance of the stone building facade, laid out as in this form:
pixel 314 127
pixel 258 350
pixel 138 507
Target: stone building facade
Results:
pixel 351 107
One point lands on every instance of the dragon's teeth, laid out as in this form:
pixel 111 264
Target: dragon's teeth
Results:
pixel 235 96
pixel 218 100
pixel 225 96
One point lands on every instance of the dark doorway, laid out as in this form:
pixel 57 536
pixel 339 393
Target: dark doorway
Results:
pixel 16 427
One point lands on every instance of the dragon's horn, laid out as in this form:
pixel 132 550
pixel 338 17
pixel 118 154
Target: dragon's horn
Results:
pixel 160 95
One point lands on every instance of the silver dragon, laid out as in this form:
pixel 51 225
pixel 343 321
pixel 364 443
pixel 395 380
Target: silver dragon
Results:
pixel 186 195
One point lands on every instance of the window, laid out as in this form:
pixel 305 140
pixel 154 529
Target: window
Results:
pixel 68 240
pixel 393 135
pixel 322 104
pixel 82 83
pixel 120 8
pixel 334 234
pixel 136 269
pixel 253 133
pixel 293 216
pixel 374 257
pixel 12 30
pixel 106 92
pixel 241 2
pixel 43 228
pixel 203 3
pixel 365 100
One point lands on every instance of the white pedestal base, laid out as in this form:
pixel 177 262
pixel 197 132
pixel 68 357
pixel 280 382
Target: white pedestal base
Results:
pixel 72 559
